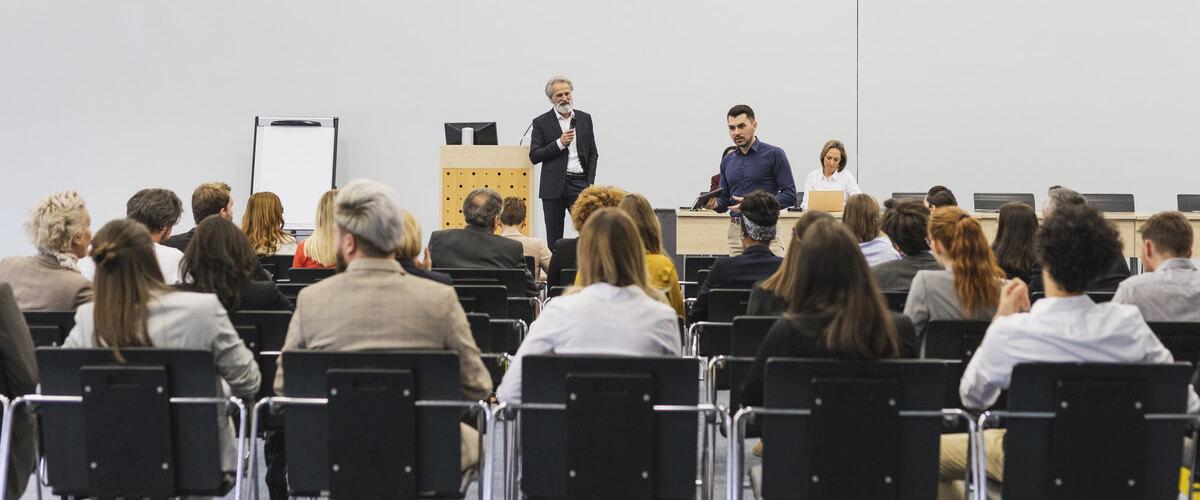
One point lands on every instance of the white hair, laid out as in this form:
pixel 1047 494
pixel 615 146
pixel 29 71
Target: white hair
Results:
pixel 559 79
pixel 55 222
pixel 367 209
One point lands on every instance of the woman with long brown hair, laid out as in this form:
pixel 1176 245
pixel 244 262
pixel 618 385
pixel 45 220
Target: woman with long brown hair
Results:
pixel 320 249
pixel 263 225
pixel 219 260
pixel 969 287
pixel 770 297
pixel 863 218
pixel 660 269
pixel 1016 239
pixel 612 310
pixel 133 308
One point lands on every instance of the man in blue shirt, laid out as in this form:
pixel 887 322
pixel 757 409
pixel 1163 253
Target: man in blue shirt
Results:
pixel 753 166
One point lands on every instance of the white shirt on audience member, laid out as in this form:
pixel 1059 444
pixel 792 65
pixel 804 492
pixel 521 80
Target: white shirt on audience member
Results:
pixel 573 165
pixel 1060 330
pixel 168 261
pixel 840 181
pixel 879 250
pixel 601 319
pixel 1170 293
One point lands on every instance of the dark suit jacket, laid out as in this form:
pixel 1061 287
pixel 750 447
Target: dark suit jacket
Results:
pixel 897 275
pixel 563 258
pixel 1117 271
pixel 18 377
pixel 435 276
pixel 477 248
pixel 181 240
pixel 543 148
pixel 254 296
pixel 740 271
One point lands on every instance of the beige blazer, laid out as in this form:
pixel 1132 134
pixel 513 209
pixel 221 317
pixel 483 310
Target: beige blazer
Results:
pixel 41 284
pixel 533 247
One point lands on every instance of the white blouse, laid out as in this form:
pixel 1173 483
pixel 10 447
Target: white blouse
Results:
pixel 840 181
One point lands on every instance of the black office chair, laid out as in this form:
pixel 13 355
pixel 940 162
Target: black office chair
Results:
pixel 991 202
pixel 49 328
pixel 491 300
pixel 263 332
pixel 1092 430
pixel 711 337
pixel 896 300
pixel 308 276
pixel 908 196
pixel 1110 202
pixel 514 281
pixel 145 427
pixel 1189 203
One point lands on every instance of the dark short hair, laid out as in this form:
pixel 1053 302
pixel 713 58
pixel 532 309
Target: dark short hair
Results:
pixel 906 223
pixel 513 212
pixel 741 109
pixel 935 189
pixel 761 208
pixel 940 196
pixel 481 207
pixel 157 209
pixel 1077 245
pixel 1170 232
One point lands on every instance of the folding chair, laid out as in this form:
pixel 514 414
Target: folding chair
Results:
pixel 309 276
pixel 375 425
pixel 953 339
pixel 514 281
pixel 491 300
pixel 263 332
pixel 711 337
pixel 692 279
pixel 147 427
pixel 1093 430
pixel 498 340
pixel 49 328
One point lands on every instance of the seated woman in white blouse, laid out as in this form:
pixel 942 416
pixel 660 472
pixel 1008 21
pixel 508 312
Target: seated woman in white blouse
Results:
pixel 613 310
pixel 832 176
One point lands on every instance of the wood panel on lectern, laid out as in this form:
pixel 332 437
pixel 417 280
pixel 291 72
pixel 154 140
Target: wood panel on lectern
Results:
pixel 506 169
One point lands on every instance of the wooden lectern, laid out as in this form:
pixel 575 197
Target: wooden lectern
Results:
pixel 505 169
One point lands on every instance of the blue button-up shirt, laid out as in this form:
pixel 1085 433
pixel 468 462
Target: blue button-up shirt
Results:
pixel 763 167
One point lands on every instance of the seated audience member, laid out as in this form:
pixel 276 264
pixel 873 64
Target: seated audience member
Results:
pixel 410 248
pixel 861 216
pixel 263 225
pixel 940 196
pixel 159 211
pixel 771 296
pixel 660 269
pixel 319 251
pixel 1016 232
pixel 210 198
pixel 373 305
pixel 905 222
pixel 838 311
pixel 1118 267
pixel 477 246
pixel 613 310
pixel 969 287
pixel 219 260
pixel 1169 290
pixel 760 215
pixel 17 378
pixel 590 199
pixel 60 227
pixel 133 308
pixel 1075 246
pixel 512 219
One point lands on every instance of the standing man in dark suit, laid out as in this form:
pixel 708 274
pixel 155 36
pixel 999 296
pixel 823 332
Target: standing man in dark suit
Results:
pixel 478 246
pixel 564 143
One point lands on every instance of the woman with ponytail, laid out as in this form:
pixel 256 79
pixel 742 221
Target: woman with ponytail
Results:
pixel 969 287
pixel 133 308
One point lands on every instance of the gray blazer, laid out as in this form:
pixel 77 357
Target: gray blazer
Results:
pixel 18 376
pixel 933 298
pixel 41 284
pixel 897 275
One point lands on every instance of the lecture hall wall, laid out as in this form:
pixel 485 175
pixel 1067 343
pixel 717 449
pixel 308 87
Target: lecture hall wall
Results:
pixel 110 97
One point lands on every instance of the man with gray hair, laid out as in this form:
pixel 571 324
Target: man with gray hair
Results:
pixel 564 143
pixel 1058 196
pixel 478 246
pixel 372 304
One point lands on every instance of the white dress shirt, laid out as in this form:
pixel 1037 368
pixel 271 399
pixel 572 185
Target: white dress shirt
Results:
pixel 1170 293
pixel 573 165
pixel 840 181
pixel 1060 330
pixel 879 250
pixel 168 262
pixel 601 319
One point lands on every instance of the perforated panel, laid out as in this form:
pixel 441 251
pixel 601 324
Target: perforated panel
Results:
pixel 458 182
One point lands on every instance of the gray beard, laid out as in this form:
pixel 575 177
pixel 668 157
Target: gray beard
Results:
pixel 563 109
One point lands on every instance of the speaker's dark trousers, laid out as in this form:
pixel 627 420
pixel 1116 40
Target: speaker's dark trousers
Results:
pixel 555 210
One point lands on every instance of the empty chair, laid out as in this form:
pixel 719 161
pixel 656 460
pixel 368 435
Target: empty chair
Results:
pixel 991 202
pixel 49 328
pixel 513 280
pixel 953 339
pixel 909 196
pixel 1189 202
pixel 692 266
pixel 302 275
pixel 491 300
pixel 1110 202
pixel 711 337
pixel 497 335
pixel 263 332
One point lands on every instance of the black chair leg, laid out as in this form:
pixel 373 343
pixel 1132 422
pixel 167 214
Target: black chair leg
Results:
pixel 275 456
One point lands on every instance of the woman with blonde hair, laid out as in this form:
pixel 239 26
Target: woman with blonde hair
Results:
pixel 612 311
pixel 320 249
pixel 660 269
pixel 409 250
pixel 263 225
pixel 60 227
pixel 590 200
pixel 969 286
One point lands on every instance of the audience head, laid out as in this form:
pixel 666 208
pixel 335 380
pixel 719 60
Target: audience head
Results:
pixel 513 214
pixel 638 208
pixel 60 225
pixel 321 246
pixel 940 196
pixel 838 282
pixel 592 199
pixel 833 157
pixel 742 125
pixel 127 274
pixel 481 208
pixel 369 222
pixel 959 244
pixel 157 209
pixel 760 214
pixel 905 222
pixel 1165 235
pixel 861 216
pixel 219 260
pixel 1015 234
pixel 1059 196
pixel 263 222
pixel 212 198
pixel 410 244
pixel 1076 246
pixel 782 282
pixel 610 251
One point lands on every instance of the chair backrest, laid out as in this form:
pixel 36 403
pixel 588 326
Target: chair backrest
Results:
pixel 855 409
pixel 1097 297
pixel 610 429
pixel 953 339
pixel 302 275
pixel 1097 444
pixel 896 300
pixel 568 276
pixel 513 280
pixel 69 446
pixel 908 196
pixel 726 303
pixel 291 290
pixel 495 335
pixel 1181 338
pixel 746 335
pixel 991 202
pixel 693 264
pixel 556 291
pixel 49 328
pixel 702 276
pixel 1110 202
pixel 278 265
pixel 531 265
pixel 1189 202
pixel 491 300
pixel 263 332
pixel 309 445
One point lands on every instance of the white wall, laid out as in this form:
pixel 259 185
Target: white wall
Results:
pixel 110 97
